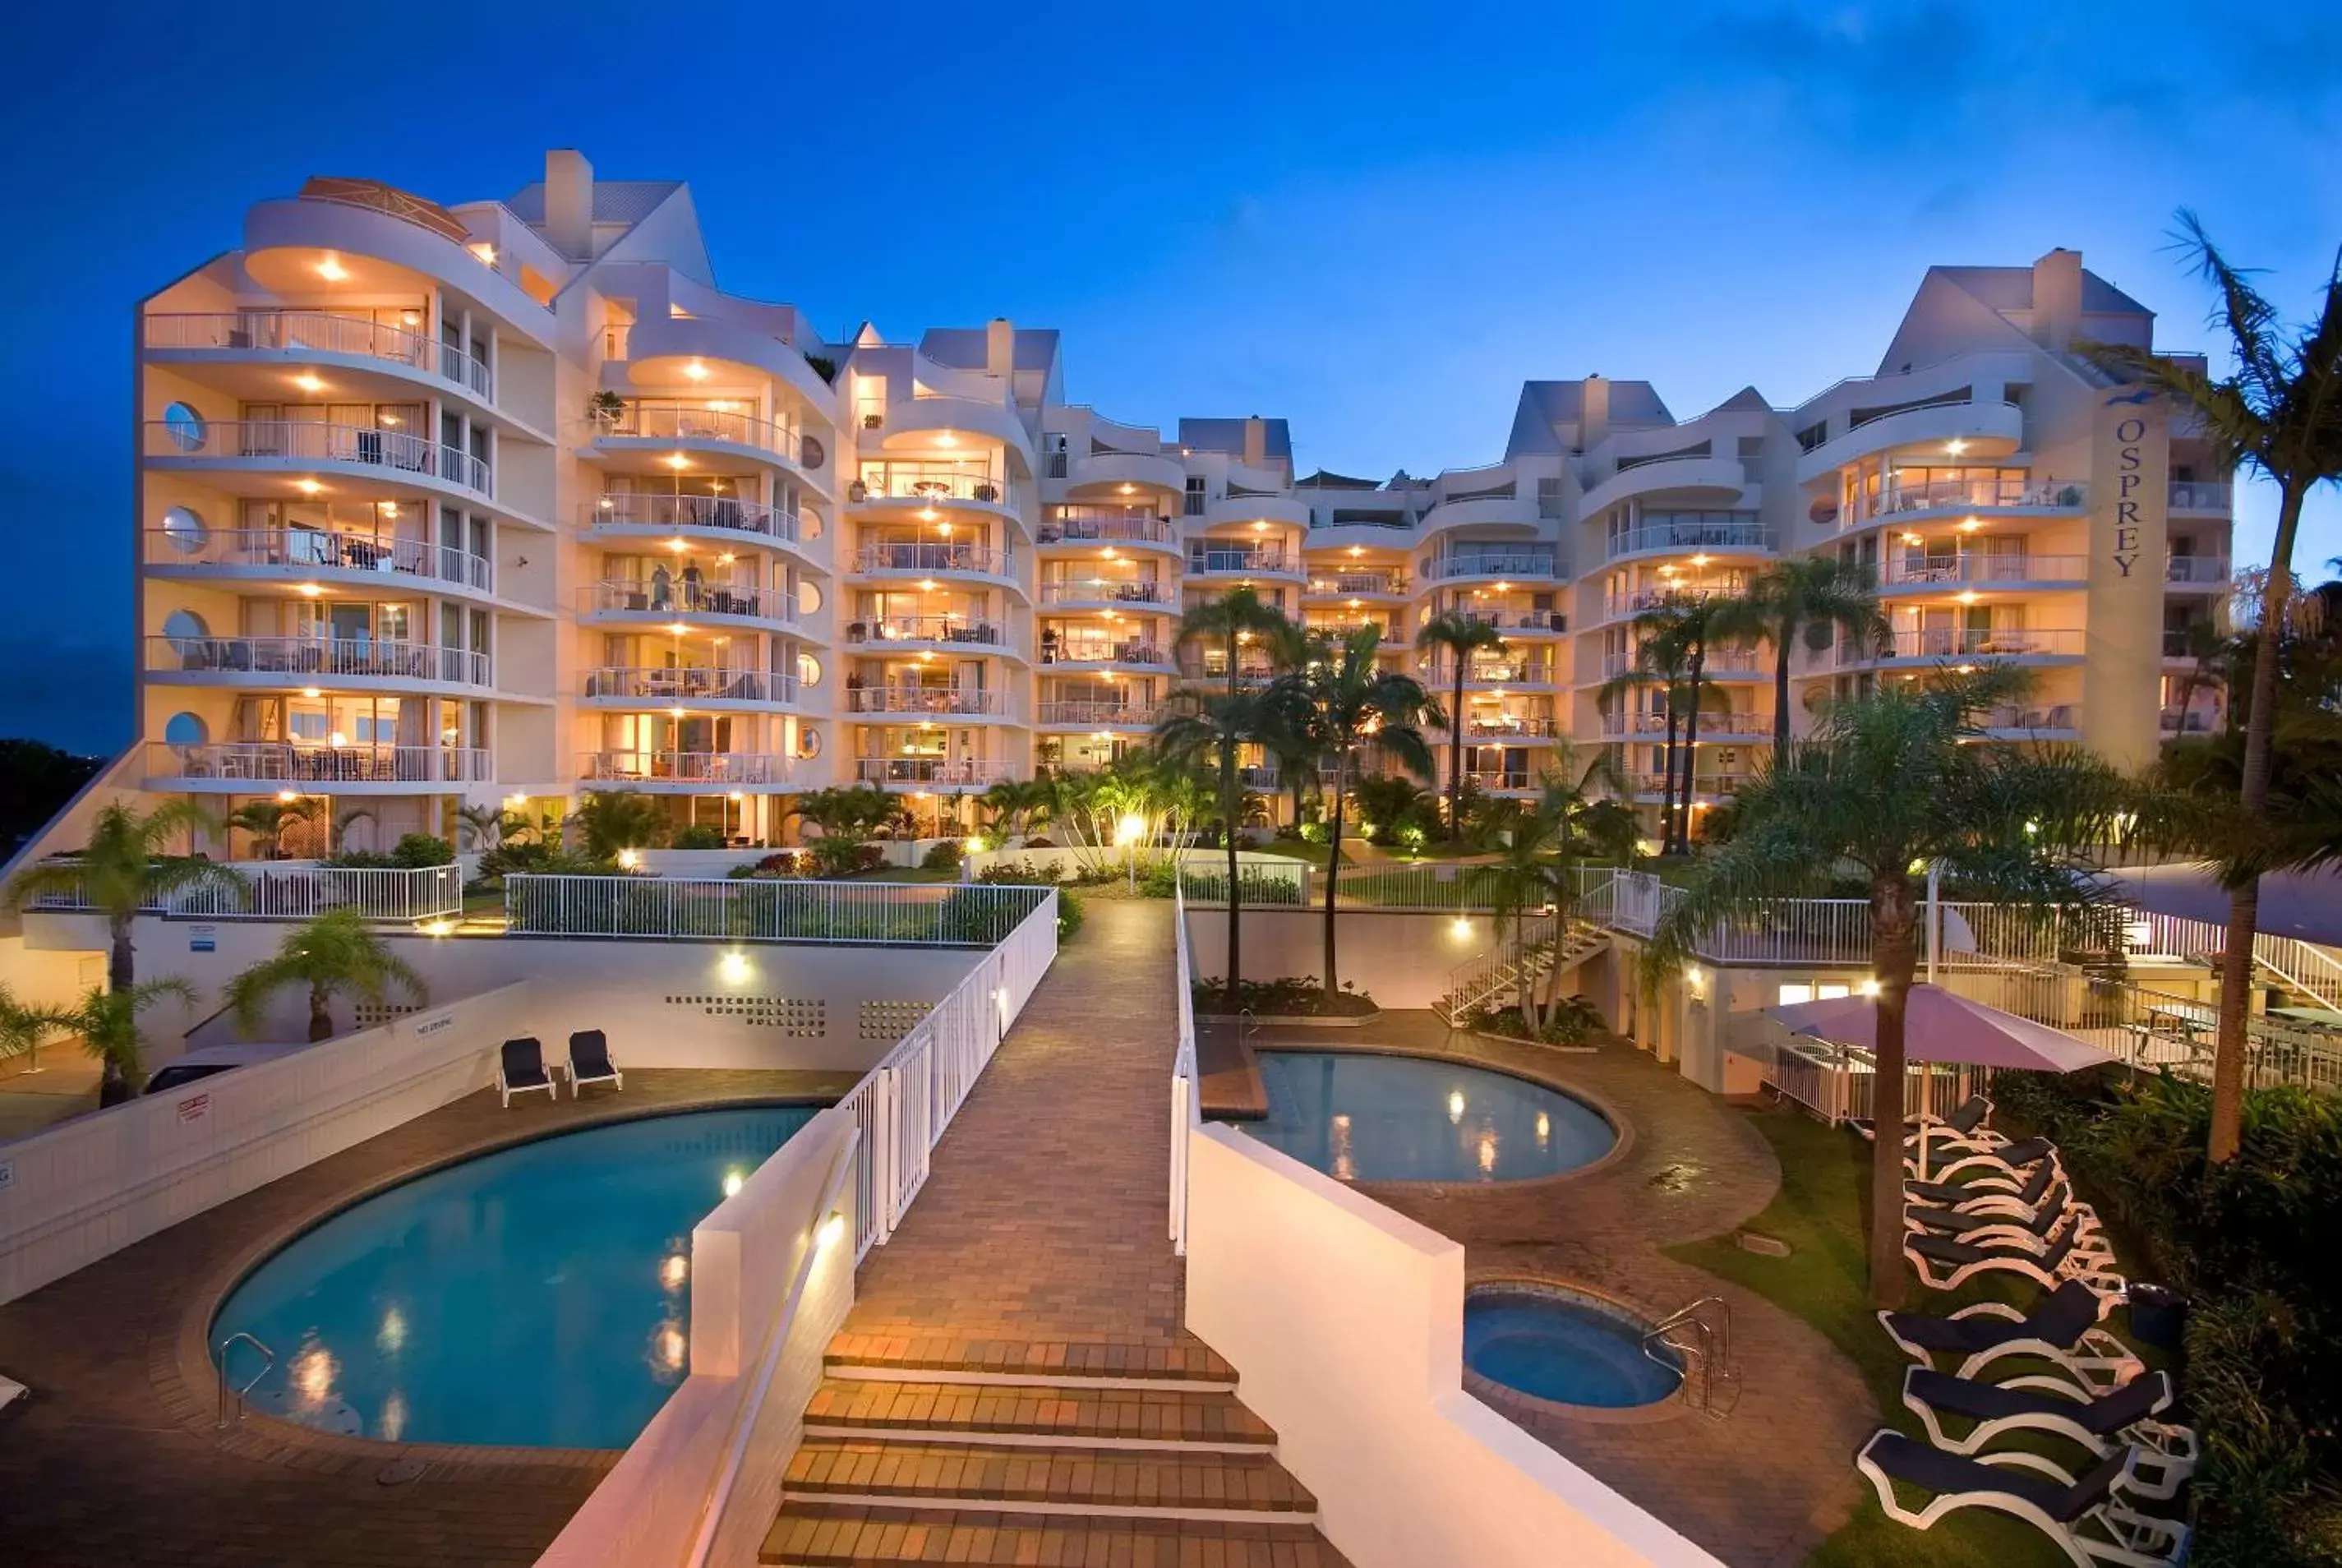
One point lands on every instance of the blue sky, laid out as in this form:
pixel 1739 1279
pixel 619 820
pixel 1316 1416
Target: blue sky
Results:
pixel 1376 221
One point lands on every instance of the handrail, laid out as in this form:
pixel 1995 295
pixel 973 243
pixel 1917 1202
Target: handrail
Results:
pixel 1713 1353
pixel 219 1361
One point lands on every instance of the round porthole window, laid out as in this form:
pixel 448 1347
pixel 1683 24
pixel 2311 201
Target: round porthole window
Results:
pixel 185 428
pixel 808 670
pixel 808 524
pixel 185 629
pixel 186 530
pixel 808 741
pixel 808 597
pixel 186 730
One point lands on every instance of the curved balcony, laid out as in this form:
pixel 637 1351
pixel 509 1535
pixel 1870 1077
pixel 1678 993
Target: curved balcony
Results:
pixel 937 773
pixel 1521 732
pixel 1498 509
pixel 378 241
pixel 1108 593
pixel 1503 781
pixel 1910 573
pixel 243 767
pixel 683 773
pixel 714 519
pixel 938 560
pixel 950 633
pixel 1521 622
pixel 1499 566
pixel 1137 654
pixel 1233 511
pixel 307 446
pixel 1688 476
pixel 345 665
pixel 686 602
pixel 643 428
pixel 990 416
pixel 1388 586
pixel 2031 722
pixel 1070 530
pixel 314 555
pixel 930 702
pixel 931 487
pixel 1490 674
pixel 1737 728
pixel 317 338
pixel 1720 664
pixel 1243 561
pixel 686 340
pixel 1988 426
pixel 1098 715
pixel 1652 788
pixel 1737 537
pixel 644 687
pixel 2013 491
pixel 1112 470
pixel 1940 645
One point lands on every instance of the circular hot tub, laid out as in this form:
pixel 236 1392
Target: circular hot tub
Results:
pixel 1565 1348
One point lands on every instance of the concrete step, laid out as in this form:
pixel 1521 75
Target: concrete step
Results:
pixel 1100 1483
pixel 829 1536
pixel 1186 1363
pixel 1026 1415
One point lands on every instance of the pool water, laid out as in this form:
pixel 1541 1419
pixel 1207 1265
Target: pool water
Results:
pixel 1369 1118
pixel 538 1296
pixel 1556 1346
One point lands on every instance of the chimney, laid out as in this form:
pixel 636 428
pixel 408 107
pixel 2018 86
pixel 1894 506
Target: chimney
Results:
pixel 1000 347
pixel 1593 412
pixel 569 203
pixel 2057 298
pixel 1256 451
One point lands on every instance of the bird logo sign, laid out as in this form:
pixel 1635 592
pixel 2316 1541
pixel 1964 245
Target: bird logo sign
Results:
pixel 2142 396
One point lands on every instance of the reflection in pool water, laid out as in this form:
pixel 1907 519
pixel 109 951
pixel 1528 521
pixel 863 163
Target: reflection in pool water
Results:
pixel 535 1297
pixel 1369 1118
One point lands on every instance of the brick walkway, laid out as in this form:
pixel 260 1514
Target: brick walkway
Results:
pixel 1013 1385
pixel 113 1461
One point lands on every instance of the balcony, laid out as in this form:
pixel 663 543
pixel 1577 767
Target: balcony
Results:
pixel 734 603
pixel 1739 537
pixel 929 484
pixel 1242 561
pixel 1934 643
pixel 1099 715
pixel 1693 474
pixel 717 518
pixel 286 444
pixel 1736 726
pixel 1356 586
pixel 682 771
pixel 1440 674
pixel 1719 662
pixel 1520 623
pixel 1497 563
pixel 2208 497
pixel 666 687
pixel 2199 720
pixel 916 560
pixel 1082 526
pixel 2198 570
pixel 1509 730
pixel 1141 653
pixel 954 631
pixel 238 766
pixel 1502 780
pixel 1661 594
pixel 2028 722
pixel 929 773
pixel 929 702
pixel 312 554
pixel 1107 593
pixel 640 421
pixel 1916 571
pixel 313 660
pixel 1654 786
pixel 1323 625
pixel 310 337
pixel 1948 421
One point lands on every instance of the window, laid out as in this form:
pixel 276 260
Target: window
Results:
pixel 185 529
pixel 184 729
pixel 185 428
pixel 1195 504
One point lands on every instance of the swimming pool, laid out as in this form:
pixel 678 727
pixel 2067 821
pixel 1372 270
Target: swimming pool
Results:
pixel 536 1297
pixel 1372 1118
pixel 1554 1344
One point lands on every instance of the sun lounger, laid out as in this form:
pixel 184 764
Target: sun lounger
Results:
pixel 2031 1228
pixel 2062 1329
pixel 2079 1514
pixel 2103 1423
pixel 2027 1192
pixel 589 1062
pixel 1964 1124
pixel 520 1067
pixel 2009 1163
pixel 1944 1263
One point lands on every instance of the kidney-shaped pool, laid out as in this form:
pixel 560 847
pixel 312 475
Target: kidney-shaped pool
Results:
pixel 537 1296
pixel 1365 1117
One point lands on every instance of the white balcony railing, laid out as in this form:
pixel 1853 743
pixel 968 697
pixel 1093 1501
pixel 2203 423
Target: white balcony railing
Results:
pixel 1510 729
pixel 317 657
pixel 926 629
pixel 274 762
pixel 1239 561
pixel 683 596
pixel 2208 570
pixel 2202 496
pixel 929 482
pixel 935 557
pixel 724 513
pixel 1712 727
pixel 319 550
pixel 1493 563
pixel 312 441
pixel 718 769
pixel 1682 536
pixel 966 700
pixel 1707 783
pixel 2014 488
pixel 304 332
pixel 643 420
pixel 666 687
pixel 1440 674
pixel 958 914
pixel 1525 621
pixel 1064 650
pixel 2026 716
pixel 1336 583
pixel 1961 642
pixel 941 772
pixel 270 890
pixel 1907 569
pixel 1102 715
pixel 1071 527
pixel 1105 590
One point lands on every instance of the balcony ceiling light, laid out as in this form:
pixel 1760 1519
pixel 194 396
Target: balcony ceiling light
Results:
pixel 677 627
pixel 1130 489
pixel 390 508
pixel 676 544
pixel 1503 587
pixel 308 381
pixel 1966 669
pixel 727 559
pixel 609 503
pixel 337 739
pixel 1913 539
pixel 1260 527
pixel 1353 604
pixel 927 514
pixel 946 438
pixel 927 586
pixel 1971 524
pixel 677 460
pixel 484 251
pixel 331 269
pixel 1967 597
pixel 1700 560
pixel 307 486
pixel 411 317
pixel 1107 552
pixel 696 371
pixel 310 590
pixel 675 713
pixel 1956 446
pixel 311 692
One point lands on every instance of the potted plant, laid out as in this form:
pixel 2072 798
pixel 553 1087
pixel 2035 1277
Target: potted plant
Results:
pixel 986 491
pixel 857 491
pixel 873 420
pixel 607 408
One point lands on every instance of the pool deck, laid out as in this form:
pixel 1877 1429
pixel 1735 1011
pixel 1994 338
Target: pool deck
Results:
pixel 1759 1488
pixel 113 1460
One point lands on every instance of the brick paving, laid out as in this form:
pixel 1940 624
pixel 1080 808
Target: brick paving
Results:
pixel 113 1460
pixel 1759 1488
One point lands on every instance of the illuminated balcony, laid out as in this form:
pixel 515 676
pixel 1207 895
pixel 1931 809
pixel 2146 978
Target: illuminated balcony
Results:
pixel 939 774
pixel 1070 527
pixel 185 440
pixel 655 432
pixel 950 633
pixel 317 338
pixel 683 773
pixel 930 702
pixel 685 603
pixel 935 560
pixel 1980 569
pixel 646 688
pixel 244 767
pixel 367 561
pixel 720 520
pixel 356 665
pixel 1099 715
pixel 1105 593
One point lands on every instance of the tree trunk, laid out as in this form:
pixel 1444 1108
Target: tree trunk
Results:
pixel 1788 635
pixel 1691 746
pixel 1333 872
pixel 1668 777
pixel 1228 793
pixel 1455 759
pixel 2245 903
pixel 321 1017
pixel 121 964
pixel 113 1085
pixel 1895 956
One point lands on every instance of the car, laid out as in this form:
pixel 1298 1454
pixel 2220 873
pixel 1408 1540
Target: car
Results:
pixel 208 1061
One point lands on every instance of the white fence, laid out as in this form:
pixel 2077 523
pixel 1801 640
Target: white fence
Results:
pixel 1187 1102
pixel 781 910
pixel 272 890
pixel 90 1186
pixel 1198 866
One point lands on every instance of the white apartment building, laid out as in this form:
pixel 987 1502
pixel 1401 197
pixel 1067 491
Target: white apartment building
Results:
pixel 507 500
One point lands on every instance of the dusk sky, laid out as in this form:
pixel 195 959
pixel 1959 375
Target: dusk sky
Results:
pixel 1374 221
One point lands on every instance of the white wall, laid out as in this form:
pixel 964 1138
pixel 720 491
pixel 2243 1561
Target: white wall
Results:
pixel 1401 960
pixel 1346 1320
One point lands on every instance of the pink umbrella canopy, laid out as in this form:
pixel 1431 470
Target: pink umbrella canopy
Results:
pixel 1939 1026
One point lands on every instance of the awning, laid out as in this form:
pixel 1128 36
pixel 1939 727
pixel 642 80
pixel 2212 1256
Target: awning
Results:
pixel 1939 1026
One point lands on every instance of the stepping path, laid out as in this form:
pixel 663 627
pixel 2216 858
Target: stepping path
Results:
pixel 1013 1384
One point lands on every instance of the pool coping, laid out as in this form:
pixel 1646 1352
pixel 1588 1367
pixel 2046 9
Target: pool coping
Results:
pixel 1499 1395
pixel 1620 1123
pixel 189 1387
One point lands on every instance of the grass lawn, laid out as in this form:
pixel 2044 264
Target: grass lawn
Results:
pixel 1820 1212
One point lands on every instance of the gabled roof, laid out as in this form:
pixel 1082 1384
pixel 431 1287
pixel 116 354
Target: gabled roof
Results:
pixel 2007 288
pixel 1547 406
pixel 1327 479
pixel 625 202
pixel 1227 435
pixel 963 348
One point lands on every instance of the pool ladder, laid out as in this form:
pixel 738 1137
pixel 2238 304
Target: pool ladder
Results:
pixel 1699 1337
pixel 228 1392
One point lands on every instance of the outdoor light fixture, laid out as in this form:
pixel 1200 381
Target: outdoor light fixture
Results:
pixel 1461 930
pixel 285 797
pixel 307 486
pixel 1956 446
pixel 696 371
pixel 733 1181
pixel 677 461
pixel 831 1228
pixel 332 269
pixel 734 968
pixel 629 859
pixel 309 383
pixel 1868 988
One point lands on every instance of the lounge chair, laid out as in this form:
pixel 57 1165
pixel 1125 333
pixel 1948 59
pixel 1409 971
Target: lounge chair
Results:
pixel 520 1067
pixel 2066 1253
pixel 1987 1189
pixel 1962 1124
pixel 2062 1329
pixel 2103 1423
pixel 2079 1514
pixel 2008 1163
pixel 2031 1227
pixel 589 1062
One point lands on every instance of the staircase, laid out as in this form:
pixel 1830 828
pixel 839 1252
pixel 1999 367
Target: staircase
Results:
pixel 1533 951
pixel 933 1451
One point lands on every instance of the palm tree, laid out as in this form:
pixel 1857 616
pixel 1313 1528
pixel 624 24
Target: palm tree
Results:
pixel 489 826
pixel 270 821
pixel 1887 785
pixel 1459 636
pixel 1697 624
pixel 1537 867
pixel 1017 805
pixel 610 821
pixel 24 1027
pixel 1803 596
pixel 122 870
pixel 2280 412
pixel 1348 707
pixel 107 1022
pixel 1662 662
pixel 336 952
pixel 1199 725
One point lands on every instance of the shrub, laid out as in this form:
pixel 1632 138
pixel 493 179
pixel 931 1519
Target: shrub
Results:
pixel 942 855
pixel 1069 915
pixel 1161 881
pixel 359 860
pixel 1572 1021
pixel 1021 873
pixel 779 864
pixel 415 850
pixel 698 836
pixel 1291 997
pixel 835 857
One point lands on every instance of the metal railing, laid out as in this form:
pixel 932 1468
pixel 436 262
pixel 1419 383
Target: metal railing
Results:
pixel 717 770
pixel 934 557
pixel 2012 488
pixel 2209 569
pixel 1700 1337
pixel 1237 561
pixel 2054 716
pixel 1736 726
pixel 1105 590
pixel 639 419
pixel 1532 621
pixel 276 763
pixel 682 595
pixel 929 482
pixel 1905 568
pixel 938 915
pixel 939 771
pixel 1734 535
pixel 314 441
pixel 1510 563
pixel 1099 713
pixel 1440 674
pixel 1959 643
pixel 317 657
pixel 665 686
pixel 265 890
pixel 971 700
pixel 724 513
pixel 1340 583
pixel 2202 496
pixel 926 629
pixel 232 1394
pixel 319 550
pixel 298 332
pixel 1510 729
pixel 1066 650
pixel 1071 526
